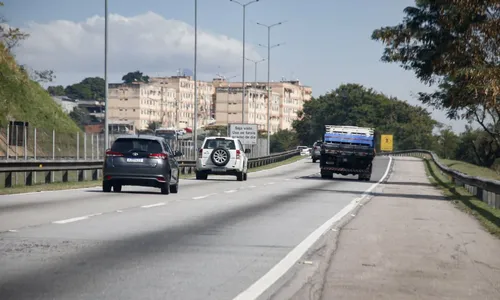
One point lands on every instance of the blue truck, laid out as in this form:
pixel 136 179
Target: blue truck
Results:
pixel 347 150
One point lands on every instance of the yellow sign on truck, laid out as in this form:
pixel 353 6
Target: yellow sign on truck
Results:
pixel 386 143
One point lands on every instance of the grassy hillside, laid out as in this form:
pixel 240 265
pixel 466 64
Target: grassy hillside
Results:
pixel 25 100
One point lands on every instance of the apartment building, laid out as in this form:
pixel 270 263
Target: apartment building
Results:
pixel 167 100
pixel 288 97
pixel 142 103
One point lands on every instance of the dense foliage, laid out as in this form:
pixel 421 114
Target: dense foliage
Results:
pixel 353 104
pixel 456 45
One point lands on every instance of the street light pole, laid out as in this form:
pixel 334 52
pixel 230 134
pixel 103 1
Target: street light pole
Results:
pixel 269 81
pixel 195 123
pixel 256 62
pixel 243 63
pixel 106 115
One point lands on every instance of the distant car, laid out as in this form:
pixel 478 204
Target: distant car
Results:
pixel 141 160
pixel 222 156
pixel 316 151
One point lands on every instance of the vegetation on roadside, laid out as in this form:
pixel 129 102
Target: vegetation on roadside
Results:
pixel 488 216
pixel 454 45
pixel 354 104
pixel 22 98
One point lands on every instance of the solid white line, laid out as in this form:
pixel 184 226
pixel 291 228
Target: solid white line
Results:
pixel 71 220
pixel 201 197
pixel 252 186
pixel 230 191
pixel 153 205
pixel 269 183
pixel 266 281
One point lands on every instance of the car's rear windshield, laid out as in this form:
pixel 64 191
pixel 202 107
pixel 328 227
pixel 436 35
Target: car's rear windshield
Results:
pixel 131 145
pixel 222 143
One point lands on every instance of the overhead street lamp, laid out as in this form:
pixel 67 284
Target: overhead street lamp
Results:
pixel 243 63
pixel 256 62
pixel 106 115
pixel 195 122
pixel 269 47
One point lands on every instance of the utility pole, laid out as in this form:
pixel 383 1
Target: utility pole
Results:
pixel 195 125
pixel 106 93
pixel 243 94
pixel 269 80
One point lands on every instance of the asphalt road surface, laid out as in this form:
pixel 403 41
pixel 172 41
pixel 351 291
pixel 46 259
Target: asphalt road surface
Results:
pixel 212 240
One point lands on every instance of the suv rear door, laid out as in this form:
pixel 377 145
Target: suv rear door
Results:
pixel 211 144
pixel 135 153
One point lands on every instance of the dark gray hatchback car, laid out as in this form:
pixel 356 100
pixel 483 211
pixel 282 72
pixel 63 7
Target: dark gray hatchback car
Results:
pixel 141 160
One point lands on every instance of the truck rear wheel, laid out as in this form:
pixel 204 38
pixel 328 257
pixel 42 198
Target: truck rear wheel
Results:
pixel 325 175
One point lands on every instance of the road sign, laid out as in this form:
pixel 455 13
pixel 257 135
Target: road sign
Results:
pixel 247 133
pixel 386 143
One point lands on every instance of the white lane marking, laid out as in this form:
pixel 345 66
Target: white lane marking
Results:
pixel 266 281
pixel 12 230
pixel 230 191
pixel 153 205
pixel 269 183
pixel 252 186
pixel 71 220
pixel 204 196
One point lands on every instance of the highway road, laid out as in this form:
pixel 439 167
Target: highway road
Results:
pixel 212 240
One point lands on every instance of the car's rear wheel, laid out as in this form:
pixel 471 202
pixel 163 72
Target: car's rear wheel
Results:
pixel 174 188
pixel 117 188
pixel 240 176
pixel 201 176
pixel 245 176
pixel 165 189
pixel 106 186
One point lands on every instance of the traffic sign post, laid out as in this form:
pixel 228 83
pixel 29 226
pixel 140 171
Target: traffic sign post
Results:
pixel 386 143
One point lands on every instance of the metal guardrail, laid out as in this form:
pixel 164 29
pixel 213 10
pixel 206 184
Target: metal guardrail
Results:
pixel 31 167
pixel 487 190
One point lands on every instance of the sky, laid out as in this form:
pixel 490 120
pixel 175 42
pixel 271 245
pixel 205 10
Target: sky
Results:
pixel 322 43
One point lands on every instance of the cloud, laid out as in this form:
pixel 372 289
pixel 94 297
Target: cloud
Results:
pixel 146 42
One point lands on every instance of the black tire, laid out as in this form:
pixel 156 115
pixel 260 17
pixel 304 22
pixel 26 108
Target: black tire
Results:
pixel 239 176
pixel 326 175
pixel 220 157
pixel 106 186
pixel 245 176
pixel 165 189
pixel 117 188
pixel 201 176
pixel 314 160
pixel 174 189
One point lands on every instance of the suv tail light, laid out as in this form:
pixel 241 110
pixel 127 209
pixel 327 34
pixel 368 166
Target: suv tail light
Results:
pixel 238 154
pixel 110 153
pixel 200 153
pixel 158 155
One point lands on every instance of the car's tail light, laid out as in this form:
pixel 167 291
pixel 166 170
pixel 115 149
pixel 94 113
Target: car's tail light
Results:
pixel 238 154
pixel 158 155
pixel 200 154
pixel 110 153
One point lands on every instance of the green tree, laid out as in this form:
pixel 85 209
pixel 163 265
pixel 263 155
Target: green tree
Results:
pixel 355 105
pixel 456 45
pixel 80 116
pixel 90 88
pixel 448 143
pixel 57 90
pixel 136 76
pixel 283 140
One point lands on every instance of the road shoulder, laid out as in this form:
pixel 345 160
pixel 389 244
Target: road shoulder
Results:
pixel 411 243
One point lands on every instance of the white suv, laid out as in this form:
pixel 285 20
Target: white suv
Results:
pixel 222 156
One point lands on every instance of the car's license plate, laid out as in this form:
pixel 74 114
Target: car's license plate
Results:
pixel 135 160
pixel 218 169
